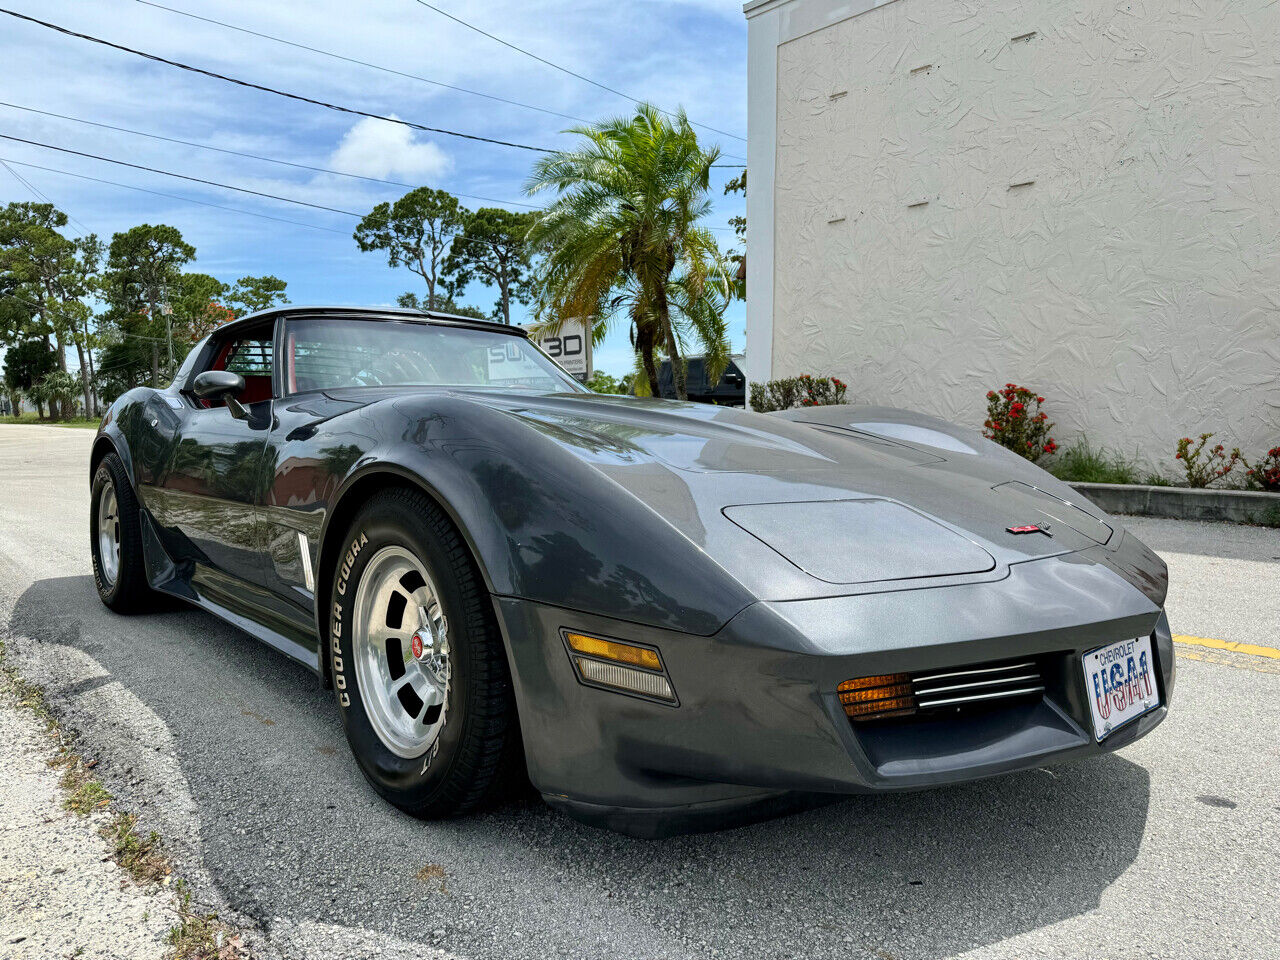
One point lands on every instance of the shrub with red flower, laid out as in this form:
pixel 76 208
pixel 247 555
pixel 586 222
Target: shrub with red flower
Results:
pixel 1202 466
pixel 1265 474
pixel 1015 420
pixel 801 391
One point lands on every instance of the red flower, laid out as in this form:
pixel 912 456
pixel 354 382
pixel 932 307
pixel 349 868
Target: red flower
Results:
pixel 1039 399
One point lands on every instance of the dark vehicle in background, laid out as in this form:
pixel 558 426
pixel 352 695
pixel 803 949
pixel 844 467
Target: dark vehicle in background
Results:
pixel 675 615
pixel 729 391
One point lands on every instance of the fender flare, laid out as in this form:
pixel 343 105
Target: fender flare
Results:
pixel 365 480
pixel 111 440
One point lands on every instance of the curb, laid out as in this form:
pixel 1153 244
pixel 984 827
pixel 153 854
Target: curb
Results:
pixel 1184 503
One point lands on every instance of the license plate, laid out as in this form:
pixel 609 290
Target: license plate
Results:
pixel 1121 682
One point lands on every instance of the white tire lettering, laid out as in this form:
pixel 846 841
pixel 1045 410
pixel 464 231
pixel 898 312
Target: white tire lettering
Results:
pixel 339 675
pixel 431 755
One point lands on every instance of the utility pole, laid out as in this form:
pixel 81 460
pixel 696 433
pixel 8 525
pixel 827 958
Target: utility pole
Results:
pixel 167 309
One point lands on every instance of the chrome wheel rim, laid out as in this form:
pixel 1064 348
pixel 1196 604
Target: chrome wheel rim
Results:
pixel 108 534
pixel 400 643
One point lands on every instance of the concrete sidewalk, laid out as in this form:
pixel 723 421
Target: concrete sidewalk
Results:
pixel 63 894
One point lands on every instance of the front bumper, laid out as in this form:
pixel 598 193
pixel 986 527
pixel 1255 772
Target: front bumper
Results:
pixel 759 728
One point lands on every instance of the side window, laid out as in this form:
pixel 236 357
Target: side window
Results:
pixel 250 358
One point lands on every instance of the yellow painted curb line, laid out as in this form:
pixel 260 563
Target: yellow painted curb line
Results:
pixel 1251 648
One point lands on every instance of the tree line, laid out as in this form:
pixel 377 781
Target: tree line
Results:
pixel 129 308
pixel 621 241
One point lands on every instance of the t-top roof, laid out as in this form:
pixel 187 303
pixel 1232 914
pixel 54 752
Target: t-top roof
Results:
pixel 372 313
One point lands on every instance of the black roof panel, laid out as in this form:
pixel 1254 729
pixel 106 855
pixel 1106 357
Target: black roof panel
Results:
pixel 372 313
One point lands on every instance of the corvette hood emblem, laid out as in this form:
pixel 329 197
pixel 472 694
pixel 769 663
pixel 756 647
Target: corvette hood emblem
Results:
pixel 1029 528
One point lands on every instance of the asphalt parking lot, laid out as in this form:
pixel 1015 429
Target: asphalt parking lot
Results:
pixel 1169 848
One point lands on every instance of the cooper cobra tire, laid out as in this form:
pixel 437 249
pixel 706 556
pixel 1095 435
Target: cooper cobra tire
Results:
pixel 115 539
pixel 406 596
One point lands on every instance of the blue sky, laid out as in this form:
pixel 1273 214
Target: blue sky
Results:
pixel 676 54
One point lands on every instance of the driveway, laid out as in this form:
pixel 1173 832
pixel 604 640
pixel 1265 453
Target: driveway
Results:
pixel 1169 848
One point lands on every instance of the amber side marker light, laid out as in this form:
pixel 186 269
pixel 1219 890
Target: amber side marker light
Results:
pixel 886 695
pixel 620 665
pixel 612 650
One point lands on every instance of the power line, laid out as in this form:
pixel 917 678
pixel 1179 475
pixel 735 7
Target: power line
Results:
pixel 556 66
pixel 174 196
pixel 209 183
pixel 180 176
pixel 364 63
pixel 265 89
pixel 249 156
pixel 438 83
pixel 39 195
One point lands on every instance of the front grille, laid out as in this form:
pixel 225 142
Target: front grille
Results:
pixel 949 690
pixel 976 685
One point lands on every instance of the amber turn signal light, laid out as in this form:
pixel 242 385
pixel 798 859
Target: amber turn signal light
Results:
pixel 885 695
pixel 615 651
pixel 619 666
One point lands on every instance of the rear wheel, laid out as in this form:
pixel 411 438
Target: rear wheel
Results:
pixel 115 538
pixel 419 668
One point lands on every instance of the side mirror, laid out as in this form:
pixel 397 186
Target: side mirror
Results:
pixel 221 385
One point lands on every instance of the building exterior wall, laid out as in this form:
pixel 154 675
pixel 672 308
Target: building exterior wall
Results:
pixel 1083 197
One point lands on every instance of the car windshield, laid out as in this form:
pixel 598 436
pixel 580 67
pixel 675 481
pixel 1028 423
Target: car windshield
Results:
pixel 323 354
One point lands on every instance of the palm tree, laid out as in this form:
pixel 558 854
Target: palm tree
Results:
pixel 622 240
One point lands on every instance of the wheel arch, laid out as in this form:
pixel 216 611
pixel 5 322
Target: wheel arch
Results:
pixel 104 444
pixel 354 493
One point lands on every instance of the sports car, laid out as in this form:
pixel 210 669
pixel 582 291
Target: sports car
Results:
pixel 672 616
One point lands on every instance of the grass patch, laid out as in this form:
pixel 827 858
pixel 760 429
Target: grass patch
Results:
pixel 83 423
pixel 84 794
pixel 201 936
pixel 1082 463
pixel 139 856
pixel 1268 518
pixel 90 795
pixel 195 936
pixel 26 694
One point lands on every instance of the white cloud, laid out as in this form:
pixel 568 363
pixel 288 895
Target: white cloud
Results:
pixel 375 148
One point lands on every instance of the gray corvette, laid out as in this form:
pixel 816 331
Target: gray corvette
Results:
pixel 673 616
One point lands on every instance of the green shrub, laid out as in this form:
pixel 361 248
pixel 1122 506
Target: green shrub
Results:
pixel 1081 463
pixel 1265 474
pixel 1205 467
pixel 801 391
pixel 1268 518
pixel 601 382
pixel 1015 421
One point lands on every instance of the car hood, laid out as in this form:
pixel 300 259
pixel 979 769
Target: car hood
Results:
pixel 795 509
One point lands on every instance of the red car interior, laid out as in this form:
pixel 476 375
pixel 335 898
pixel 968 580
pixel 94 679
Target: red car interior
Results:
pixel 257 387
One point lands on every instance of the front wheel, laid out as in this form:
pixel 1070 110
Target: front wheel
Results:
pixel 115 538
pixel 419 668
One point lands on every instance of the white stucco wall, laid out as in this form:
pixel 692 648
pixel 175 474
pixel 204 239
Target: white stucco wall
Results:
pixel 1134 280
